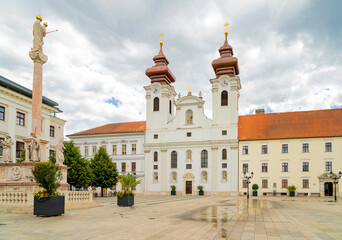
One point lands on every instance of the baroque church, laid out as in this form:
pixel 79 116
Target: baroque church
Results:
pixel 179 145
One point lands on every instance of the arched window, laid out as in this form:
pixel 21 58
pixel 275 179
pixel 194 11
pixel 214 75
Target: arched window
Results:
pixel 224 98
pixel 170 107
pixel 224 176
pixel 156 104
pixel 174 159
pixel 204 176
pixel 188 117
pixel 155 177
pixel 155 156
pixel 188 155
pixel 204 159
pixel 224 154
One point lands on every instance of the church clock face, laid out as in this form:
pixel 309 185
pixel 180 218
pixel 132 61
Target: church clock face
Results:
pixel 224 83
pixel 155 89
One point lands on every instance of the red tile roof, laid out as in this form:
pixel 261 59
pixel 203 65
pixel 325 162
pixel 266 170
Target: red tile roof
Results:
pixel 304 124
pixel 125 127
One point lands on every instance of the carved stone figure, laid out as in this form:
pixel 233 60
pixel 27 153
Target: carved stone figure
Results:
pixel 16 173
pixel 224 176
pixel 39 33
pixel 7 148
pixel 33 148
pixel 60 152
pixel 189 117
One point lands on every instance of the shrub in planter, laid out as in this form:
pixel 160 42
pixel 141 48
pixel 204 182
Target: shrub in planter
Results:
pixel 126 196
pixel 200 190
pixel 173 189
pixel 292 190
pixel 47 202
pixel 255 188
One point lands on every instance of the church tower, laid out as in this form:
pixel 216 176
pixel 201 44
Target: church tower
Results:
pixel 225 91
pixel 159 95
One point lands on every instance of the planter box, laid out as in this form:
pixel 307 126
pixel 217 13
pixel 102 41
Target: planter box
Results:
pixel 51 206
pixel 292 194
pixel 173 192
pixel 255 193
pixel 126 201
pixel 201 193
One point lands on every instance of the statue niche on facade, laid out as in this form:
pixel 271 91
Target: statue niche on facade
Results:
pixel 7 148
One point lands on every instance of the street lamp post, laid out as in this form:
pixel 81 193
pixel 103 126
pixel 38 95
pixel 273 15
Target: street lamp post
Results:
pixel 335 177
pixel 248 181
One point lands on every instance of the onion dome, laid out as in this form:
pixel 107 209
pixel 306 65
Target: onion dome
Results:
pixel 160 71
pixel 226 64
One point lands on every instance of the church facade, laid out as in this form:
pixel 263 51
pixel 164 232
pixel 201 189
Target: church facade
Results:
pixel 179 145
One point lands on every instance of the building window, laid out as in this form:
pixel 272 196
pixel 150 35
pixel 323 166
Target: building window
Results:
pixel 20 119
pixel 170 107
pixel 244 150
pixel 328 166
pixel 155 136
pixel 224 132
pixel 155 156
pixel 245 167
pixel 224 165
pixel 156 104
pixel 305 147
pixel 305 166
pixel 224 98
pixel 114 149
pixel 19 146
pixel 264 183
pixel 284 148
pixel 188 117
pixel 86 151
pixel 123 167
pixel 188 134
pixel 284 167
pixel 244 183
pixel 263 149
pixel 134 148
pixel 174 159
pixel 123 149
pixel 328 147
pixel 155 167
pixel 52 131
pixel 2 113
pixel 284 183
pixel 188 166
pixel 305 183
pixel 52 153
pixel 134 167
pixel 224 154
pixel 204 159
pixel 94 150
pixel 264 167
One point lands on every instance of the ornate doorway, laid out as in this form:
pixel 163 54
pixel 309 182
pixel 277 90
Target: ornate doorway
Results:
pixel 188 187
pixel 328 189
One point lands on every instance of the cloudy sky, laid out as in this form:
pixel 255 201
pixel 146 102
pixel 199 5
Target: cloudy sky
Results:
pixel 290 53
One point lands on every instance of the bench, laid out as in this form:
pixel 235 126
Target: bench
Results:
pixel 315 194
pixel 302 194
pixel 268 193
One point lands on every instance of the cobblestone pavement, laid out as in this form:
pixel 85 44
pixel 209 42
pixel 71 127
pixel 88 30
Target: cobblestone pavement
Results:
pixel 184 217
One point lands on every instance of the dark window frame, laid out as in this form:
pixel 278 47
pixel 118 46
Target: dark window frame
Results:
pixel 20 118
pixel 173 159
pixel 52 131
pixel 224 154
pixel 156 104
pixel 204 158
pixel 224 98
pixel 2 113
pixel 285 148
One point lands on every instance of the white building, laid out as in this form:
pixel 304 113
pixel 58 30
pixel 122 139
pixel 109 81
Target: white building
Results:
pixel 16 116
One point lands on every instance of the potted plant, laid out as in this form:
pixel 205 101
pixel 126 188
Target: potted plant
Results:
pixel 173 189
pixel 200 190
pixel 47 202
pixel 126 196
pixel 255 188
pixel 292 190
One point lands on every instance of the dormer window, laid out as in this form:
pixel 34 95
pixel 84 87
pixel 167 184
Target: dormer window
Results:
pixel 224 98
pixel 188 117
pixel 156 104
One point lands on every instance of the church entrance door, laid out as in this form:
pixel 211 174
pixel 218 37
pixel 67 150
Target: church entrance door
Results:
pixel 328 189
pixel 188 187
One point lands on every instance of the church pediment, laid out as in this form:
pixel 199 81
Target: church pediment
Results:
pixel 189 100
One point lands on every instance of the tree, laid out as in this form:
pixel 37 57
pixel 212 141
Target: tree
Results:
pixel 79 171
pixel 104 170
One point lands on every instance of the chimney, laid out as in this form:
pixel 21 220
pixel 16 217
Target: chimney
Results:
pixel 260 111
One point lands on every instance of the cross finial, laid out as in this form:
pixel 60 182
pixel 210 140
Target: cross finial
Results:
pixel 161 38
pixel 226 25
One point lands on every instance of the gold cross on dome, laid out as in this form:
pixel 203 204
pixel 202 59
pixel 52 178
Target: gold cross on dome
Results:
pixel 161 36
pixel 226 25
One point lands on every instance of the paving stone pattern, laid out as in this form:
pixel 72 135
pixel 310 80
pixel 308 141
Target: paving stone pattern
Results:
pixel 185 217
